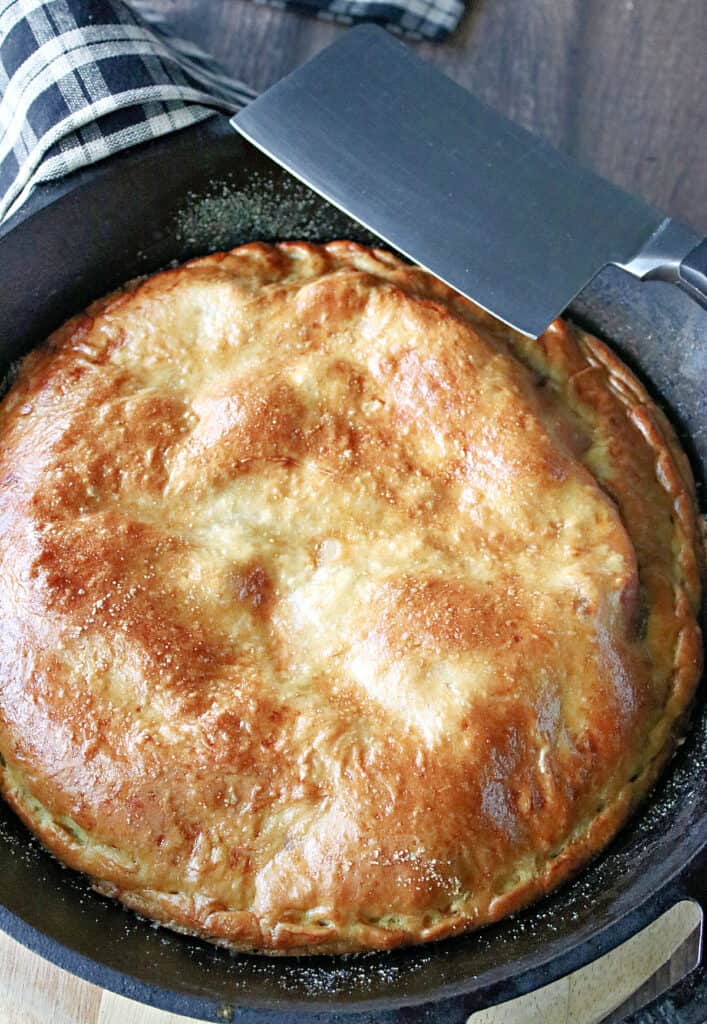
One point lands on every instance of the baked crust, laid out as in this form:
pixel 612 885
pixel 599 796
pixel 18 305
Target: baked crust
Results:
pixel 336 615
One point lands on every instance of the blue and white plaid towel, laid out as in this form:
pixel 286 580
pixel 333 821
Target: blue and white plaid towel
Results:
pixel 82 79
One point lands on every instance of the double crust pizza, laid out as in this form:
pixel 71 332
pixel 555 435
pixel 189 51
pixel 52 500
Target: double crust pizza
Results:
pixel 335 614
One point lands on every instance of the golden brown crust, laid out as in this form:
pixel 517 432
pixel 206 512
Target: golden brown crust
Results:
pixel 336 614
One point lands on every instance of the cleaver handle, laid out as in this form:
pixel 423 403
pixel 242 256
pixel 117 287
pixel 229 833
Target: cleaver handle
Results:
pixel 693 273
pixel 676 254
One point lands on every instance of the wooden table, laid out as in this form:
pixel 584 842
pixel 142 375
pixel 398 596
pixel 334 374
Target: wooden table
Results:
pixel 620 84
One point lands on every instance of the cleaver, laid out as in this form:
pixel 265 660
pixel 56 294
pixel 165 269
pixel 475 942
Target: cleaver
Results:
pixel 486 206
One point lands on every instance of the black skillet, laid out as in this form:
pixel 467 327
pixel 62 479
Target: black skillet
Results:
pixel 205 189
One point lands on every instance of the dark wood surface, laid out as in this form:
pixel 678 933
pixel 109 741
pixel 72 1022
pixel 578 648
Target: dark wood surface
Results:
pixel 619 84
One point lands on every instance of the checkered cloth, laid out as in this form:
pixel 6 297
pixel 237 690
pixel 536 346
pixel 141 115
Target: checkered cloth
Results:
pixel 82 79
pixel 416 19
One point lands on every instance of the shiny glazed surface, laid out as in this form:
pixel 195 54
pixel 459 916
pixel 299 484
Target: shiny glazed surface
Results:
pixel 337 616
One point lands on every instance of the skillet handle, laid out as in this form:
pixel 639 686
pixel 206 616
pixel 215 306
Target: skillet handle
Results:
pixel 615 989
pixel 686 1001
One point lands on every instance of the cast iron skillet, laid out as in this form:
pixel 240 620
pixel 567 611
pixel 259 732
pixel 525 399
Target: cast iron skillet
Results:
pixel 205 189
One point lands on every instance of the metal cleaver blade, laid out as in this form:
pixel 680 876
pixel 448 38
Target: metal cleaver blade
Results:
pixel 485 205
